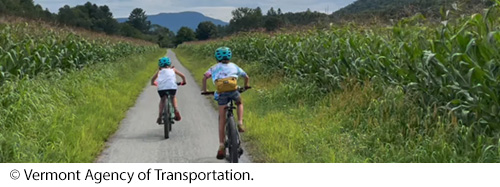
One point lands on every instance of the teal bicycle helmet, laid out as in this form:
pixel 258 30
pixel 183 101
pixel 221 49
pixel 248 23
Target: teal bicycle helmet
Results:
pixel 164 62
pixel 223 53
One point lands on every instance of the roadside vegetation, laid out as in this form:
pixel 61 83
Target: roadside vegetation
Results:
pixel 412 92
pixel 64 92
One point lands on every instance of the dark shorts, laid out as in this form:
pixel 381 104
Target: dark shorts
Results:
pixel 225 97
pixel 166 92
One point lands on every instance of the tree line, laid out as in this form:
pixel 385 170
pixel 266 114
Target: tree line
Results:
pixel 251 19
pixel 95 18
pixel 99 18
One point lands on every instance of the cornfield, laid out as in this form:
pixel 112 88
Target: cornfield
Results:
pixel 29 49
pixel 452 67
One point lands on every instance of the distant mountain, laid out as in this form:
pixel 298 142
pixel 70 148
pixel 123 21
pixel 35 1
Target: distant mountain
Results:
pixel 391 8
pixel 403 8
pixel 174 21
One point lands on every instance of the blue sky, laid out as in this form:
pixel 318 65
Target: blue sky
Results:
pixel 220 9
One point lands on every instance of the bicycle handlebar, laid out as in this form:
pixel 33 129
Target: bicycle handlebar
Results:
pixel 240 89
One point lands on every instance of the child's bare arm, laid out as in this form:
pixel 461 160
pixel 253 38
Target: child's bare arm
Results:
pixel 247 78
pixel 204 84
pixel 206 76
pixel 181 75
pixel 154 78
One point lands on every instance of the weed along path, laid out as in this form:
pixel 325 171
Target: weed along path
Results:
pixel 193 139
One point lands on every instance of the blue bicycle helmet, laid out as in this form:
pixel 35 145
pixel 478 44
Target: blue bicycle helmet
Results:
pixel 164 62
pixel 223 53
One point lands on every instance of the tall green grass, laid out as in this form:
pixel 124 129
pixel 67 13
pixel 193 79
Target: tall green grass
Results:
pixel 28 49
pixel 67 117
pixel 414 92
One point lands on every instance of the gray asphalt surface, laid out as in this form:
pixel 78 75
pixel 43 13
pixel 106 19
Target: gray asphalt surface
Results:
pixel 194 139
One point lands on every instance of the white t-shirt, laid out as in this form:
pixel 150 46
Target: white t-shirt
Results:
pixel 166 79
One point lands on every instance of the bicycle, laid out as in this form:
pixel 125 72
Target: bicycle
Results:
pixel 168 114
pixel 232 143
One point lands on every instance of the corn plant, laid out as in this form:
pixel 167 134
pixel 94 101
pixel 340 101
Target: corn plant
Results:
pixel 453 67
pixel 27 50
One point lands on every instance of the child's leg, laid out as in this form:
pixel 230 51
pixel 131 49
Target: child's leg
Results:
pixel 222 122
pixel 239 110
pixel 176 111
pixel 174 98
pixel 161 106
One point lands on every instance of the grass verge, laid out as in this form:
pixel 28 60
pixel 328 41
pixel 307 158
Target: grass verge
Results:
pixel 67 117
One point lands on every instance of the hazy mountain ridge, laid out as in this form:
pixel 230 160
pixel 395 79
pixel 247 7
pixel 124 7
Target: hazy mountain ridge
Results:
pixel 174 21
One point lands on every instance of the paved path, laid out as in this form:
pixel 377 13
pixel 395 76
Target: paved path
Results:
pixel 140 139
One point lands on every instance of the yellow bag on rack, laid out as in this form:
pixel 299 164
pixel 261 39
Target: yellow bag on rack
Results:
pixel 226 84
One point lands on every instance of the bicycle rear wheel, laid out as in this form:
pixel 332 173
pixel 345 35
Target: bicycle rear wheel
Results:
pixel 166 119
pixel 233 141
